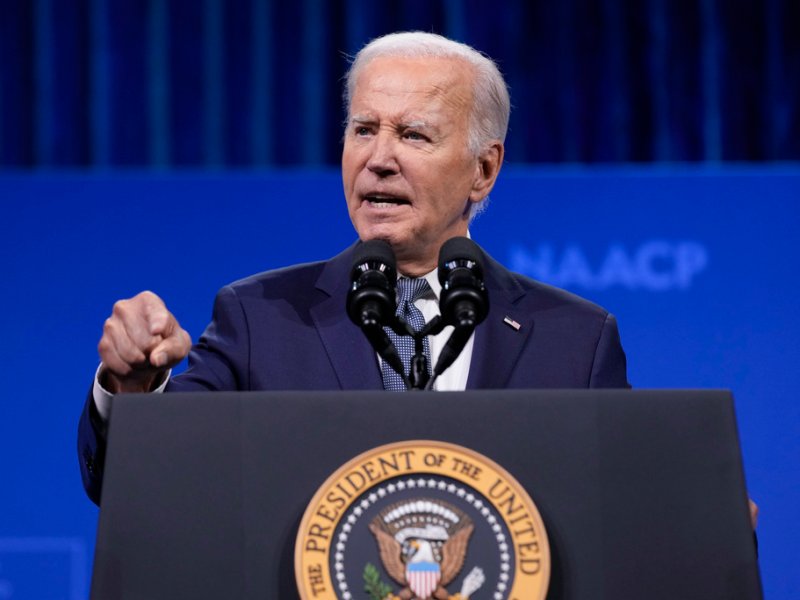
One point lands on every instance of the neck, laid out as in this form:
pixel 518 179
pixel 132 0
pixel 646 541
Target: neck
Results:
pixel 420 259
pixel 416 263
pixel 415 269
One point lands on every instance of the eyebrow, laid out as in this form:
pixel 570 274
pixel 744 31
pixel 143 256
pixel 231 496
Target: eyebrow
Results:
pixel 417 124
pixel 361 119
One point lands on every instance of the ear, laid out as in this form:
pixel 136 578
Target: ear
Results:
pixel 486 170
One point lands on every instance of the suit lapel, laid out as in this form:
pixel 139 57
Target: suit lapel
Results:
pixel 499 343
pixel 353 359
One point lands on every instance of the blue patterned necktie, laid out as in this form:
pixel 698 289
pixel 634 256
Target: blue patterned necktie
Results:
pixel 408 290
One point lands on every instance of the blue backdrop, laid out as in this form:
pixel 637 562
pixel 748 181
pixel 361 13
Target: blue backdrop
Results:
pixel 213 83
pixel 699 264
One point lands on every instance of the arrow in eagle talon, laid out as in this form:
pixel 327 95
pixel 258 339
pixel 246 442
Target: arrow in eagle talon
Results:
pixel 472 582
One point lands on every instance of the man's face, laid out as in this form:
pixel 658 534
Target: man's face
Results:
pixel 409 176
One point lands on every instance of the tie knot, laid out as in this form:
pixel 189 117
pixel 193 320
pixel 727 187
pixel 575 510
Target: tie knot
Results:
pixel 410 290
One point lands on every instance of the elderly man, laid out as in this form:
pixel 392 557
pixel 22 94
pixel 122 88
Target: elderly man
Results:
pixel 427 118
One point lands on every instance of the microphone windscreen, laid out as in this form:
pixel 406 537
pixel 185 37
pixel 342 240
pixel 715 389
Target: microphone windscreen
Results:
pixel 373 275
pixel 374 251
pixel 459 249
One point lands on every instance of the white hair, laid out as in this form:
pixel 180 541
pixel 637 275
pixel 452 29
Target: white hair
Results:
pixel 491 105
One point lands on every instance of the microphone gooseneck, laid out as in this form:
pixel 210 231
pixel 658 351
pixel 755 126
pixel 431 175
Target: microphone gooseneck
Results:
pixel 464 301
pixel 371 302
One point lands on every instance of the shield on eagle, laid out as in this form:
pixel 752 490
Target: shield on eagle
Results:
pixel 423 577
pixel 423 543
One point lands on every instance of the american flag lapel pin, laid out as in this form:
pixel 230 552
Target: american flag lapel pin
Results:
pixel 512 323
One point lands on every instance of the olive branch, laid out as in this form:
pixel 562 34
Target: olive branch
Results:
pixel 373 585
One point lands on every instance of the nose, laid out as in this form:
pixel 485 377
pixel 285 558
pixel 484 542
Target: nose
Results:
pixel 383 157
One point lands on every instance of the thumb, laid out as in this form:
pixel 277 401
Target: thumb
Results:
pixel 171 350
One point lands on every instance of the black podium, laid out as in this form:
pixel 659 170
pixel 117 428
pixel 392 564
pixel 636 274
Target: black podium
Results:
pixel 641 492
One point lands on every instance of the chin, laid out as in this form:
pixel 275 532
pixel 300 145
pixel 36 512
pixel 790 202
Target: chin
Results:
pixel 381 232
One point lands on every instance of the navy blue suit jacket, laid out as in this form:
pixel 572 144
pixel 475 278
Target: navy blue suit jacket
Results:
pixel 288 330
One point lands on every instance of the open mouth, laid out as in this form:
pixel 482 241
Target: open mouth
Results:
pixel 384 201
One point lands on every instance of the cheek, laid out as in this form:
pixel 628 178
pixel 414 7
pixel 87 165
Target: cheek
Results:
pixel 349 162
pixel 346 167
pixel 349 177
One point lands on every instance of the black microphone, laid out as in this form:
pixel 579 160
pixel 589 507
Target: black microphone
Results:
pixel 371 301
pixel 464 301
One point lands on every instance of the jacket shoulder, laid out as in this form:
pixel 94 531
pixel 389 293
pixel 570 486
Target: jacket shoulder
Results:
pixel 328 276
pixel 302 276
pixel 549 296
pixel 540 296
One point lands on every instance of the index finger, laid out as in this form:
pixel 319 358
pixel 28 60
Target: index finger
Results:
pixel 155 313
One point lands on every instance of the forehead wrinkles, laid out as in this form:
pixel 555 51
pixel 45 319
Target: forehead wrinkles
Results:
pixel 456 94
pixel 425 82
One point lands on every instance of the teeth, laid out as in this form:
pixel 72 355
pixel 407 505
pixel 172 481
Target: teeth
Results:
pixel 384 200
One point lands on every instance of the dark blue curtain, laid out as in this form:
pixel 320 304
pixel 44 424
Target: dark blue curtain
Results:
pixel 244 83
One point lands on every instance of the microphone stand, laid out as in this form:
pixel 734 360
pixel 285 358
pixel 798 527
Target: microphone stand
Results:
pixel 418 377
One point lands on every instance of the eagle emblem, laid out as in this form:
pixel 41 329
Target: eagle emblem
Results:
pixel 423 545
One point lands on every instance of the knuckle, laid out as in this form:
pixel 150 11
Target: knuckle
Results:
pixel 150 299
pixel 108 325
pixel 120 306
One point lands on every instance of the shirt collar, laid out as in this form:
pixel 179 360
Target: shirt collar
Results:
pixel 433 282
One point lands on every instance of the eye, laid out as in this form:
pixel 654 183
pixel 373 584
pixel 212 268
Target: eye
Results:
pixel 361 130
pixel 415 136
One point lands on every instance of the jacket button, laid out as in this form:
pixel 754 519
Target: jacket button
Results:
pixel 88 460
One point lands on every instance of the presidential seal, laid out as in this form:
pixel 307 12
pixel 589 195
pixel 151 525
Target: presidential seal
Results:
pixel 421 520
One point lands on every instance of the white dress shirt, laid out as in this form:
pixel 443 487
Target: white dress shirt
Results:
pixel 455 377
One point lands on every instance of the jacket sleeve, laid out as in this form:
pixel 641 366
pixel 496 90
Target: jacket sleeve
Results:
pixel 219 361
pixel 609 368
pixel 91 449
